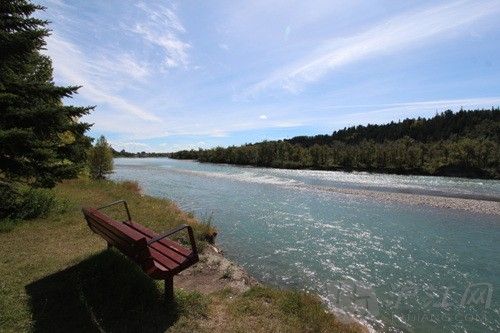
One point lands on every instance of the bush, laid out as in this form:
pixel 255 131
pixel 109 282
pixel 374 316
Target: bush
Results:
pixel 23 204
pixel 9 198
pixel 36 203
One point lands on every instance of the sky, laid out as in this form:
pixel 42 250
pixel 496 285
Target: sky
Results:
pixel 166 76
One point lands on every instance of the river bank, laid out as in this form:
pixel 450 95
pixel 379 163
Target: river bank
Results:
pixel 57 275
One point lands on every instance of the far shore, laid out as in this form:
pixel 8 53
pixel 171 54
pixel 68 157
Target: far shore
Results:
pixel 490 207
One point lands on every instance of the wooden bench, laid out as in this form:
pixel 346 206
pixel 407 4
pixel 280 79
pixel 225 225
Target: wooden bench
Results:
pixel 158 256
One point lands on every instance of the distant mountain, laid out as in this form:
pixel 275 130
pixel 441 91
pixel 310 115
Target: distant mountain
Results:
pixel 464 144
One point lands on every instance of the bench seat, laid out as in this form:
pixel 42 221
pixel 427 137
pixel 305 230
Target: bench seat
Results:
pixel 169 257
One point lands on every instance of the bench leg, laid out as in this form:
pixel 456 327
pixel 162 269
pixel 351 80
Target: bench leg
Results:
pixel 169 289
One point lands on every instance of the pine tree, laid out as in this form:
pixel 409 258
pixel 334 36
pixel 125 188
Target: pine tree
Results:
pixel 101 159
pixel 41 140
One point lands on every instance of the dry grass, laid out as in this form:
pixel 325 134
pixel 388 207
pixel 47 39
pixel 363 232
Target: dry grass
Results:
pixel 56 276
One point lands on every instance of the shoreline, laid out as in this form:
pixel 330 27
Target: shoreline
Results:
pixel 488 207
pixel 217 265
pixel 347 170
pixel 215 273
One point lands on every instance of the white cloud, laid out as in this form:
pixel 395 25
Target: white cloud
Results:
pixel 466 103
pixel 170 147
pixel 110 66
pixel 217 133
pixel 263 117
pixel 162 28
pixel 324 117
pixel 329 116
pixel 404 31
pixel 74 68
pixel 131 146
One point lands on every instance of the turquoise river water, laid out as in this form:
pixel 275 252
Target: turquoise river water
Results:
pixel 398 267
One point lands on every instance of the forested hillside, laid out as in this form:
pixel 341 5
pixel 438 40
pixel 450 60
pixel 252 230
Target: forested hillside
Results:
pixel 465 143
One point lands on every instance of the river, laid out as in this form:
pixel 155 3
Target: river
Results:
pixel 398 265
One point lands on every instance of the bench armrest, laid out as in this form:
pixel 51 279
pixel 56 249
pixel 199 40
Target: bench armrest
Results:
pixel 175 230
pixel 117 202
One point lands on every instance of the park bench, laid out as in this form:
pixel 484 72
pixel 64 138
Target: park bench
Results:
pixel 158 256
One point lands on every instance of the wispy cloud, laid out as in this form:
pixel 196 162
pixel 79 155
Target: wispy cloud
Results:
pixel 74 67
pixel 131 146
pixel 169 147
pixel 338 116
pixel 401 32
pixel 163 29
pixel 110 66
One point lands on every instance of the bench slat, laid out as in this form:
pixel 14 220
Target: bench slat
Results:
pixel 173 253
pixel 99 217
pixel 163 259
pixel 166 242
pixel 122 244
pixel 113 233
pixel 109 235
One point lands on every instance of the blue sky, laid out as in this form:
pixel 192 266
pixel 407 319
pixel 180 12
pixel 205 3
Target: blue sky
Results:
pixel 167 75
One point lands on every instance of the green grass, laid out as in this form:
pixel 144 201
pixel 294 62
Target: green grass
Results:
pixel 272 309
pixel 56 275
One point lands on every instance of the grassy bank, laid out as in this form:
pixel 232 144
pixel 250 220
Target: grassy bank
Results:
pixel 57 276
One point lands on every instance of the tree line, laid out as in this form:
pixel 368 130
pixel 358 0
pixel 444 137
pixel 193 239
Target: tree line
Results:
pixel 465 144
pixel 124 153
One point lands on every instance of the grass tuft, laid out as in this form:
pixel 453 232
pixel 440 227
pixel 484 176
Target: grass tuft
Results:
pixel 206 231
pixel 286 311
pixel 132 186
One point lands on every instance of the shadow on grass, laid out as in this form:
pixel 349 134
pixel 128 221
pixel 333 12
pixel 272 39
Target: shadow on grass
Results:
pixel 105 292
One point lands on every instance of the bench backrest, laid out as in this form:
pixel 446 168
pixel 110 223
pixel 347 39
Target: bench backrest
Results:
pixel 121 236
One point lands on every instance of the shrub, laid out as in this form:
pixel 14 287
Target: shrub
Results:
pixel 23 204
pixel 9 198
pixel 36 203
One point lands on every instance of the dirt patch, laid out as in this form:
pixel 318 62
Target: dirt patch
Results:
pixel 214 273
